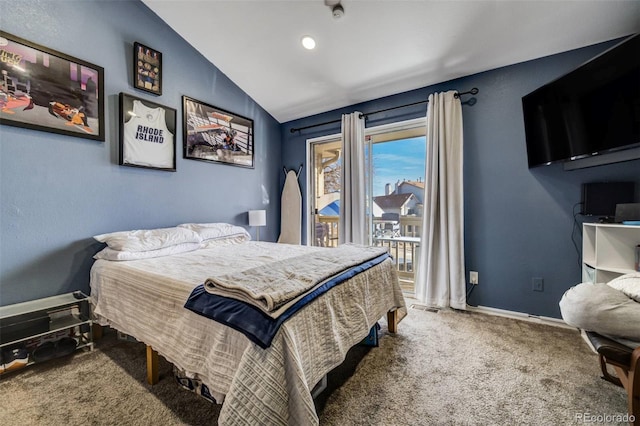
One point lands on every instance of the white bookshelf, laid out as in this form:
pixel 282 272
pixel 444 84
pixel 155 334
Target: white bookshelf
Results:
pixel 608 250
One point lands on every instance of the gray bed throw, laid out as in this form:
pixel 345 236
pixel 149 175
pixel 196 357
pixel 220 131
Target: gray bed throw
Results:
pixel 276 286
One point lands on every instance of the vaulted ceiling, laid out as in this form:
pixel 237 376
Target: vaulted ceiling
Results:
pixel 380 47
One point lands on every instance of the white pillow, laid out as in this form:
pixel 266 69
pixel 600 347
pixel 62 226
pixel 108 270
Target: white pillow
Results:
pixel 238 239
pixel 217 231
pixel 629 284
pixel 148 239
pixel 110 254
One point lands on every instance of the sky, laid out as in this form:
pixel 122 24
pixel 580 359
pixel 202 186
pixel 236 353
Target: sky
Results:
pixel 398 160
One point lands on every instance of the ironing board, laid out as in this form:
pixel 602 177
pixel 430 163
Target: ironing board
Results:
pixel 291 211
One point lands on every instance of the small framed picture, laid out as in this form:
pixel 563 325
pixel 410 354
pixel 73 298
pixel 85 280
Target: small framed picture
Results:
pixel 147 134
pixel 215 135
pixel 147 69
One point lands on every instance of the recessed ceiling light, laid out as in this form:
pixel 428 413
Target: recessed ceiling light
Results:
pixel 308 42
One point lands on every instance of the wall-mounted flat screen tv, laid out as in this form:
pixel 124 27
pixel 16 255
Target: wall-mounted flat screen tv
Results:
pixel 592 110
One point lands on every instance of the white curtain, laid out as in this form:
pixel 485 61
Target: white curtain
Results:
pixel 440 279
pixel 352 222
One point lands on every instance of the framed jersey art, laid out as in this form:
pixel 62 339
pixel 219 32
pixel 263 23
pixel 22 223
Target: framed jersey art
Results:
pixel 147 134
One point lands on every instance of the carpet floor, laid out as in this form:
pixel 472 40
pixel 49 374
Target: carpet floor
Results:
pixel 441 368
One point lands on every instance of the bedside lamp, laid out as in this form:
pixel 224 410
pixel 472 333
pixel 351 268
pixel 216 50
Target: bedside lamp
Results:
pixel 257 218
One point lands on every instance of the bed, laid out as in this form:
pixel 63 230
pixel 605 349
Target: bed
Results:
pixel 141 288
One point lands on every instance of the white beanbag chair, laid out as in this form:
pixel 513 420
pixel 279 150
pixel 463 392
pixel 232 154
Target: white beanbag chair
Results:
pixel 602 309
pixel 629 284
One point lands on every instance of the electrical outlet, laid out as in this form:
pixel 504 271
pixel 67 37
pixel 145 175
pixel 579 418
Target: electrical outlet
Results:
pixel 473 277
pixel 537 284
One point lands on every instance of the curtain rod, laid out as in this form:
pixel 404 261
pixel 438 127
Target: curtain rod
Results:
pixel 473 91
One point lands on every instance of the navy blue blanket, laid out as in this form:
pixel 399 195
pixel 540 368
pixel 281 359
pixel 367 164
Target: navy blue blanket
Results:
pixel 259 327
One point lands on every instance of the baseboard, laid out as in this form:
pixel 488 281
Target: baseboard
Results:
pixel 521 316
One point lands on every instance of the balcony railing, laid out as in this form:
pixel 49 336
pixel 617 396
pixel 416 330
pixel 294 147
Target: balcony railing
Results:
pixel 402 238
pixel 326 231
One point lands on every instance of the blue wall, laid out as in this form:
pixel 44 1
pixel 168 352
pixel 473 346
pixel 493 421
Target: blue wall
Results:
pixel 58 191
pixel 518 222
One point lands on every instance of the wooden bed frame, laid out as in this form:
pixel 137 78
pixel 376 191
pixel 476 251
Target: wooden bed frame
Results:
pixel 153 370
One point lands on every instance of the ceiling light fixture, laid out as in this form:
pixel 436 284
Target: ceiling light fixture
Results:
pixel 338 11
pixel 308 42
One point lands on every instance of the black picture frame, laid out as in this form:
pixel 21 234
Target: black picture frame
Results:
pixel 147 69
pixel 216 135
pixel 46 90
pixel 147 134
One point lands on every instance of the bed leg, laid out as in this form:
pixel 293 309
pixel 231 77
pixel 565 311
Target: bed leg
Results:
pixel 392 321
pixel 152 366
pixel 96 331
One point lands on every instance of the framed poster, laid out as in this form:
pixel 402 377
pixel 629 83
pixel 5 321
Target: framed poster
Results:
pixel 213 134
pixel 43 89
pixel 147 134
pixel 147 69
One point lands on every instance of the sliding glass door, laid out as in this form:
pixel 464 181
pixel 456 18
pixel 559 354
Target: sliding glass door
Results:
pixel 395 159
pixel 325 163
pixel 397 173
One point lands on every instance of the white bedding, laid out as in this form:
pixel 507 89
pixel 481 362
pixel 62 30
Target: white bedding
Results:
pixel 145 298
